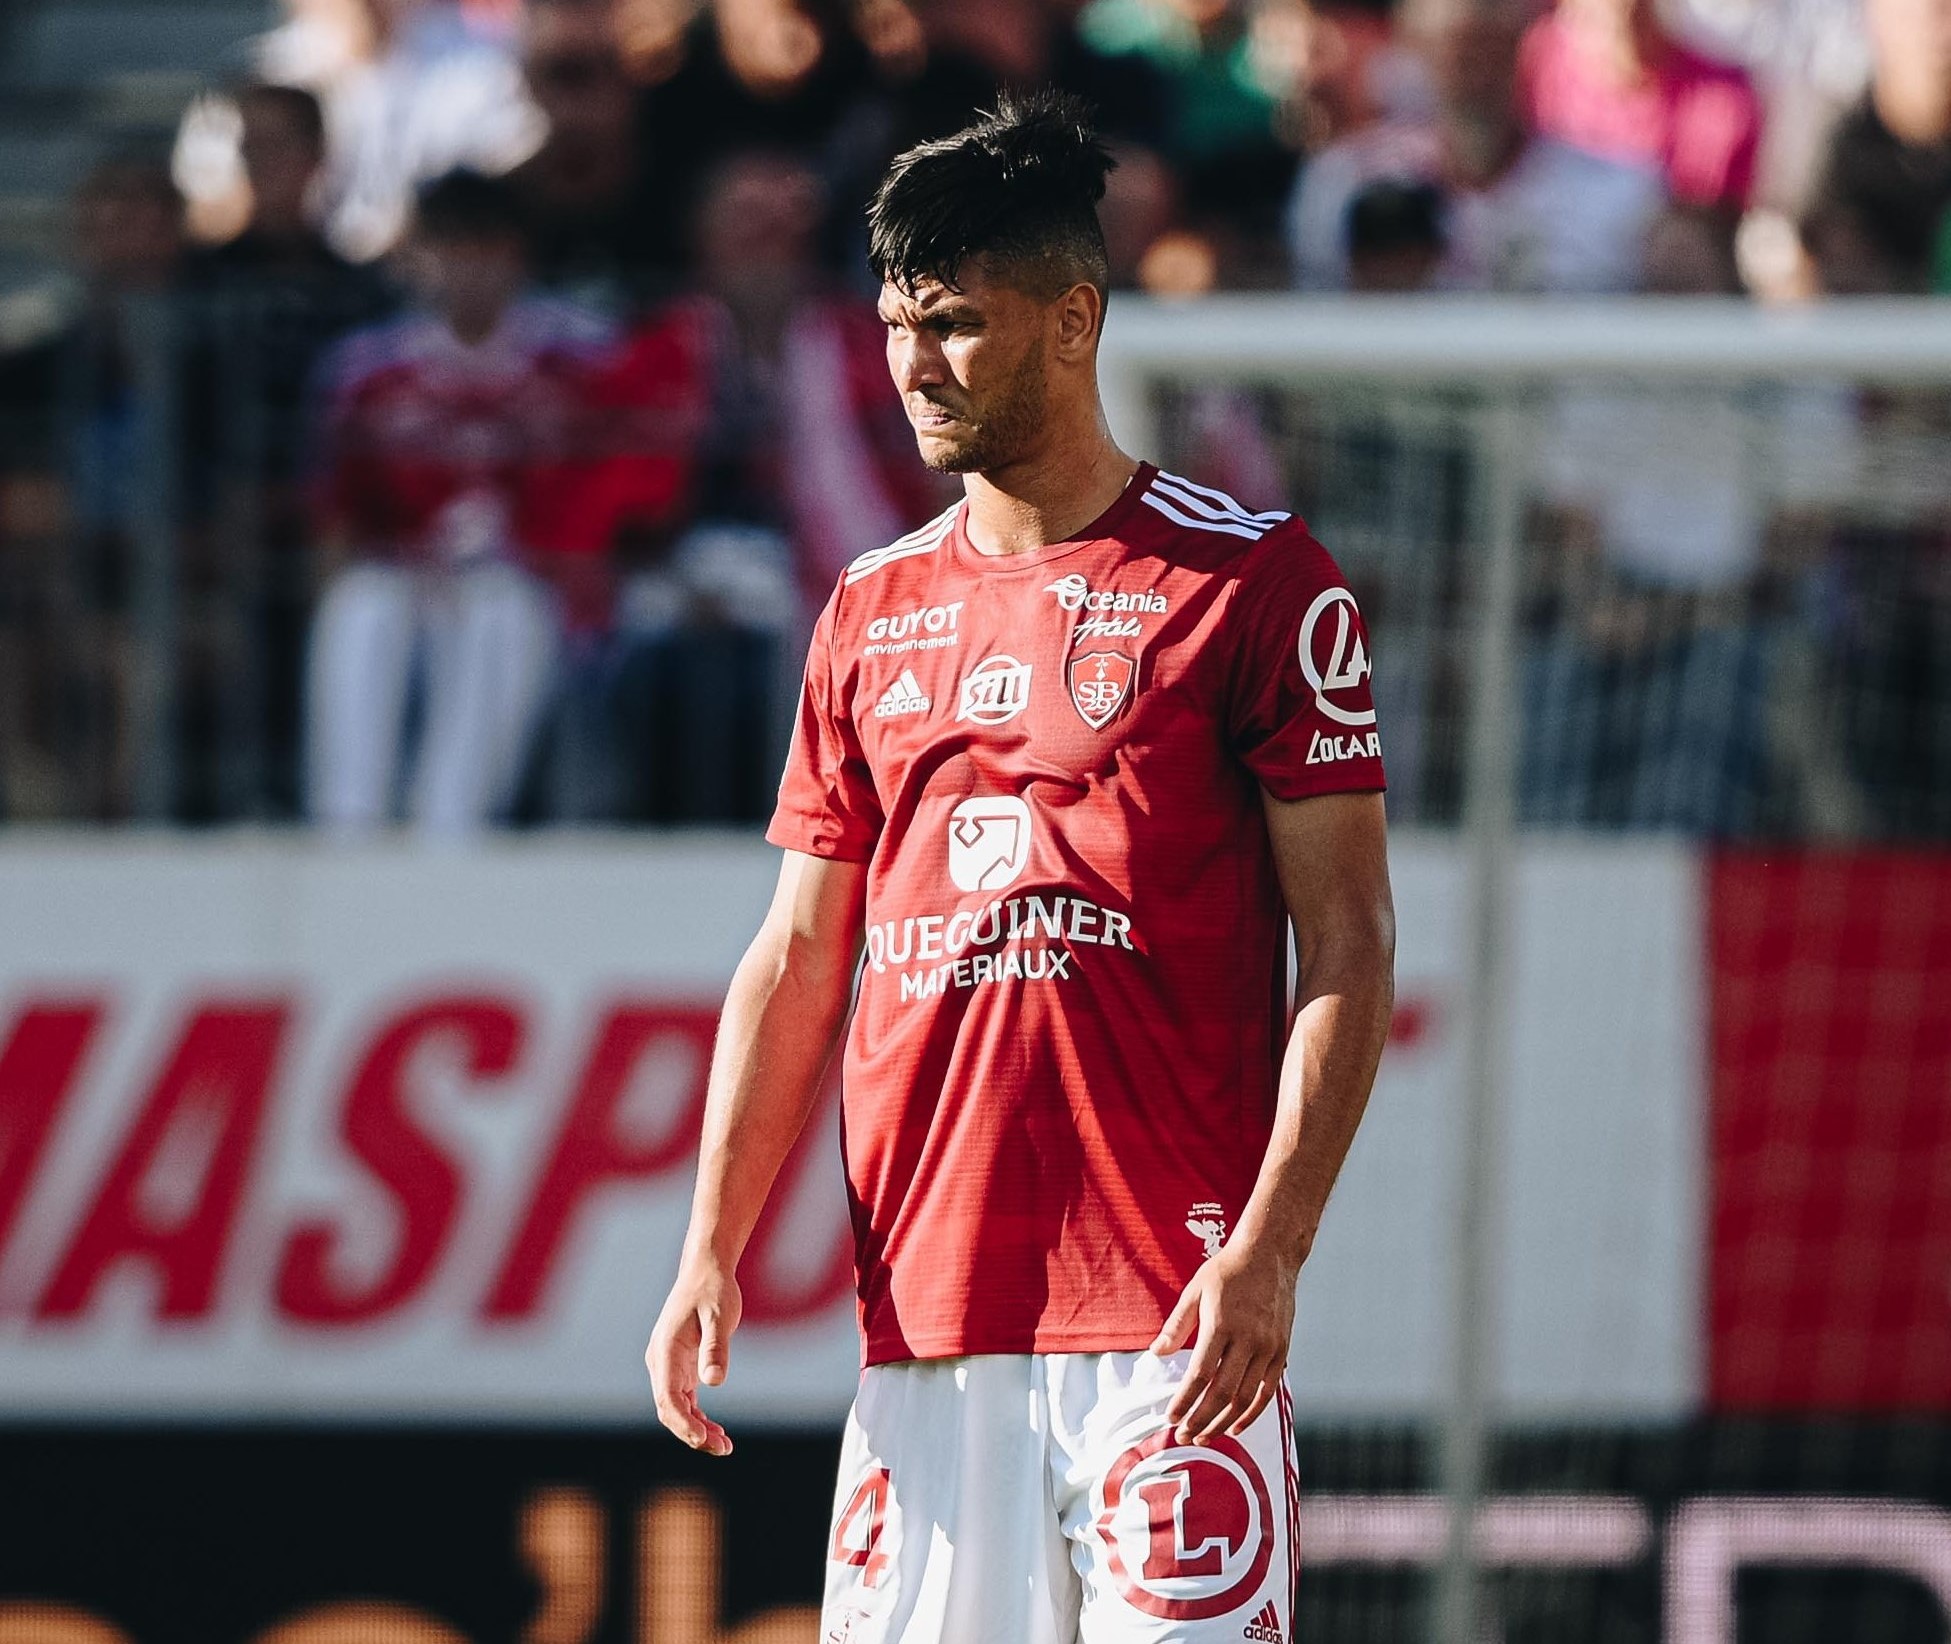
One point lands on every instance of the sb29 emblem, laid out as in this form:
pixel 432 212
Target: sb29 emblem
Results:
pixel 1100 686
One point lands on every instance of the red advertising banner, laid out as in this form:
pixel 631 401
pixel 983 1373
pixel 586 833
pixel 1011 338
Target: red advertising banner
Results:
pixel 1830 1048
pixel 292 1132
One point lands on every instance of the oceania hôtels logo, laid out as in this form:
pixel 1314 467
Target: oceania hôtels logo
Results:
pixel 1074 593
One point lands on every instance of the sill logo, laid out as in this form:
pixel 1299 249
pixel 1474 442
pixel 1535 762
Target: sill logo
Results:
pixel 988 842
pixel 995 690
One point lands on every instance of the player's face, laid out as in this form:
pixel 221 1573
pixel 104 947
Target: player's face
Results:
pixel 972 368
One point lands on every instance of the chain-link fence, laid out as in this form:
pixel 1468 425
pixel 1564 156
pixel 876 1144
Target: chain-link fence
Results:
pixel 270 555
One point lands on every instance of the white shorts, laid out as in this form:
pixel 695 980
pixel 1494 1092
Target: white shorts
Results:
pixel 1042 1500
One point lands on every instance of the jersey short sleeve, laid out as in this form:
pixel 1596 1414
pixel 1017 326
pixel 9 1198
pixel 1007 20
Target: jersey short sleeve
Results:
pixel 1301 714
pixel 828 805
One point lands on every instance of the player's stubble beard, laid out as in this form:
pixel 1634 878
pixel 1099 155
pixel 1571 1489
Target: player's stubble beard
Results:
pixel 1000 430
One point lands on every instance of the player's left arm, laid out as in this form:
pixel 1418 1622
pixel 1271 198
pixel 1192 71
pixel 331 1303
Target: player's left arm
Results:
pixel 1331 855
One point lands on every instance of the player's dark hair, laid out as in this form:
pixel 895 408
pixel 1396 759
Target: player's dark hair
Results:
pixel 1018 189
pixel 469 205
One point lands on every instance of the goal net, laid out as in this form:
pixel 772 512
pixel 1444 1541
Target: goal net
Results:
pixel 1632 1317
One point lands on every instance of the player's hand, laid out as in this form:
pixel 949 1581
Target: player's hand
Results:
pixel 1239 1312
pixel 692 1344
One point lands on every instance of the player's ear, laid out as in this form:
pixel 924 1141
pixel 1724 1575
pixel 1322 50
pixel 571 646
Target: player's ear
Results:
pixel 1080 315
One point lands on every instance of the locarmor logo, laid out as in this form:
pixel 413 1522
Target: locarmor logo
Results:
pixel 1344 665
pixel 1187 1531
pixel 988 842
pixel 1331 750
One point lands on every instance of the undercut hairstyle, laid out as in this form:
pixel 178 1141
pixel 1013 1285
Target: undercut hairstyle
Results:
pixel 1018 190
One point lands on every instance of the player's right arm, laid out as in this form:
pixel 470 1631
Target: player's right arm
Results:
pixel 787 1004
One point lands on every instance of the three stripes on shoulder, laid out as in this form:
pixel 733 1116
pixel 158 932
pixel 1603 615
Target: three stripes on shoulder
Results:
pixel 923 541
pixel 1201 508
pixel 1198 507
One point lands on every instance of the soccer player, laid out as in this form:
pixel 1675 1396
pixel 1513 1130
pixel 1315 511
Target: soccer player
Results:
pixel 1068 758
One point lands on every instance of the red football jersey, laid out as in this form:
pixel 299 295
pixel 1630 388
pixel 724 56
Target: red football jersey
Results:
pixel 1060 1078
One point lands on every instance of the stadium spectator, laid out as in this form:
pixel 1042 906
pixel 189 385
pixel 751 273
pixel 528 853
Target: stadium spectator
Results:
pixel 266 305
pixel 805 439
pixel 1521 213
pixel 1876 229
pixel 1606 76
pixel 1395 237
pixel 95 415
pixel 448 435
pixel 776 74
pixel 651 35
pixel 600 229
pixel 644 608
pixel 1234 77
pixel 1358 72
pixel 1886 184
pixel 432 90
pixel 1652 662
pixel 1887 670
pixel 277 291
pixel 317 44
pixel 1151 238
pixel 1807 60
pixel 804 459
pixel 1027 43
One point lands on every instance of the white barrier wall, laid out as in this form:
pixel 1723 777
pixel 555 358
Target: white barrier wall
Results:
pixel 300 1131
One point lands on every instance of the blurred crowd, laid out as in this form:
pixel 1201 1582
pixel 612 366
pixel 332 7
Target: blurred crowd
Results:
pixel 483 393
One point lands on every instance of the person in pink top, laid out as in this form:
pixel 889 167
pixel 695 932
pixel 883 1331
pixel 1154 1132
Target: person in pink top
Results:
pixel 1604 76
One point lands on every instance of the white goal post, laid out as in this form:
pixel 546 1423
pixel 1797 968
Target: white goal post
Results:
pixel 1501 340
pixel 1507 357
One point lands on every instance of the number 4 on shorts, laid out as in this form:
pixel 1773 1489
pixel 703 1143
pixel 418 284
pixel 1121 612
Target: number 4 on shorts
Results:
pixel 857 1531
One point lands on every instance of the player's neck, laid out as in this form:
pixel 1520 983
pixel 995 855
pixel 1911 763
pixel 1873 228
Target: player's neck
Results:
pixel 1047 497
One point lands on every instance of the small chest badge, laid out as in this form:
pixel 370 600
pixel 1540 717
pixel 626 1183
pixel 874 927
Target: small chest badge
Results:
pixel 1100 686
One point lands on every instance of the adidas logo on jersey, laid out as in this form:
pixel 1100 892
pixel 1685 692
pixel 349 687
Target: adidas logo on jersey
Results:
pixel 904 696
pixel 1264 1628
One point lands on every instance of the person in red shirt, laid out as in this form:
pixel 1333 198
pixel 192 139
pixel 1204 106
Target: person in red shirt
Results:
pixel 445 437
pixel 1069 758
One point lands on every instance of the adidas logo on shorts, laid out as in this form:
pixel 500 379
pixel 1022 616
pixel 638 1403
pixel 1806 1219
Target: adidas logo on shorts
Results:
pixel 1265 1627
pixel 904 696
